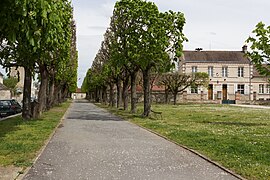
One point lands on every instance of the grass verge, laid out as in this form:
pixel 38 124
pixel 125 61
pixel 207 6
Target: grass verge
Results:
pixel 237 138
pixel 21 140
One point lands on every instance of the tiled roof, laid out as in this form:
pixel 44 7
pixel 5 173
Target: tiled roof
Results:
pixel 154 88
pixel 78 90
pixel 229 57
pixel 256 72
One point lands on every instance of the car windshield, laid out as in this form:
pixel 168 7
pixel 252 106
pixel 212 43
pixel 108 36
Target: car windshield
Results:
pixel 4 103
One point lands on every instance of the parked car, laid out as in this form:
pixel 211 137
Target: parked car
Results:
pixel 9 107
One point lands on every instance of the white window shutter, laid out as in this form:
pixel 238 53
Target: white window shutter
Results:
pixel 235 88
pixel 246 89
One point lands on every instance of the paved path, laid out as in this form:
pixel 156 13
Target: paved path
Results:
pixel 93 144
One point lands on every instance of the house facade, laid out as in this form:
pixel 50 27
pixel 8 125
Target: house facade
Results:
pixel 231 76
pixel 18 72
pixel 4 91
pixel 78 94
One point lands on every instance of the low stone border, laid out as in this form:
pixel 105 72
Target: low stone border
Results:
pixel 193 151
pixel 15 115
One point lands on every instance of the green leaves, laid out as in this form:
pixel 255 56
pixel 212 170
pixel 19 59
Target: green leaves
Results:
pixel 260 48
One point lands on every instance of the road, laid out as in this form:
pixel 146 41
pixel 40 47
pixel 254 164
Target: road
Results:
pixel 94 144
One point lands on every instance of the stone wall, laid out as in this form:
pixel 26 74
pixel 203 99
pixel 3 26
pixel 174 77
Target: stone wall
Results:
pixel 5 94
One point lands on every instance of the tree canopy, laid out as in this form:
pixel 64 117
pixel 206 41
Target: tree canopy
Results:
pixel 140 38
pixel 39 36
pixel 260 48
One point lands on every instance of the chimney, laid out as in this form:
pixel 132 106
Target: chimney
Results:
pixel 244 49
pixel 198 49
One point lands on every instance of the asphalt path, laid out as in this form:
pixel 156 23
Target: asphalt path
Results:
pixel 94 144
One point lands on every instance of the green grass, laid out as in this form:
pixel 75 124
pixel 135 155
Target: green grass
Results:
pixel 21 140
pixel 238 138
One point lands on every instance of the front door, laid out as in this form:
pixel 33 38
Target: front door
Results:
pixel 224 91
pixel 210 92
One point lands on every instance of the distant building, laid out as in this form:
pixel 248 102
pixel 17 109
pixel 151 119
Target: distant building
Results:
pixel 19 73
pixel 78 94
pixel 232 76
pixel 4 91
pixel 260 86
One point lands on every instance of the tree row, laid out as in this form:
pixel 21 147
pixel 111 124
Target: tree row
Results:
pixel 141 45
pixel 40 36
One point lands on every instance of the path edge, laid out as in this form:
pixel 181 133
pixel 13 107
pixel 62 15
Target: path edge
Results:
pixel 182 146
pixel 21 175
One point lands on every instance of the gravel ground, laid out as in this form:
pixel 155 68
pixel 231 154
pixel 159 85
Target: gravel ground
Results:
pixel 94 144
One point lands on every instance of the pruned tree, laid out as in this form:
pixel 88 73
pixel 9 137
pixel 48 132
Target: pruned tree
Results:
pixel 11 83
pixel 176 83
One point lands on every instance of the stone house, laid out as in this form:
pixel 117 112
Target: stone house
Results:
pixel 4 91
pixel 260 86
pixel 18 72
pixel 78 94
pixel 231 73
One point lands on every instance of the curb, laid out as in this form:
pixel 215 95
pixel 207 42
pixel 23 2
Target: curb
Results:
pixel 20 175
pixel 185 147
pixel 6 118
pixel 192 151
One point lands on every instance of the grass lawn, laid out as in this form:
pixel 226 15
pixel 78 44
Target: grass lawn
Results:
pixel 238 138
pixel 21 140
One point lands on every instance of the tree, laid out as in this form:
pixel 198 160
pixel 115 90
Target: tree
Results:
pixel 260 48
pixel 11 83
pixel 36 35
pixel 160 36
pixel 177 83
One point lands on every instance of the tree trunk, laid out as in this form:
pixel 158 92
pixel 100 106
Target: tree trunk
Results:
pixel 51 94
pixel 119 94
pixel 125 93
pixel 97 95
pixel 55 99
pixel 104 95
pixel 147 93
pixel 174 97
pixel 133 93
pixel 42 94
pixel 166 95
pixel 112 102
pixel 26 111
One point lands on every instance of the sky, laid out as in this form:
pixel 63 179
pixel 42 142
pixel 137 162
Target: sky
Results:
pixel 210 24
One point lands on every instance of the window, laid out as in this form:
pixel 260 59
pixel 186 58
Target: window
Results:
pixel 224 71
pixel 268 88
pixel 240 71
pixel 261 88
pixel 194 69
pixel 194 89
pixel 210 71
pixel 241 88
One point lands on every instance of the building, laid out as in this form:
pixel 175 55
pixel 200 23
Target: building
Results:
pixel 18 72
pixel 260 86
pixel 78 94
pixel 232 76
pixel 4 91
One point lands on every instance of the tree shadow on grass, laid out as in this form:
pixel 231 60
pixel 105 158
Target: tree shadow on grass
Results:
pixel 13 124
pixel 9 125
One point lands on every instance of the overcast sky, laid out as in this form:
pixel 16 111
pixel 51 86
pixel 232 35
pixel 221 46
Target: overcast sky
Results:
pixel 210 24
